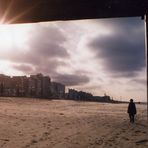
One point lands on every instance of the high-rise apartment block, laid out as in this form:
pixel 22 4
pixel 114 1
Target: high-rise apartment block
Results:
pixel 34 86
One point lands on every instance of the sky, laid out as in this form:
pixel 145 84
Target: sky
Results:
pixel 100 56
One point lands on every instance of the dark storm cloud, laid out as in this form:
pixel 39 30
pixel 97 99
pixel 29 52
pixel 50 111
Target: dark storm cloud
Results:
pixel 72 79
pixel 49 68
pixel 122 51
pixel 48 42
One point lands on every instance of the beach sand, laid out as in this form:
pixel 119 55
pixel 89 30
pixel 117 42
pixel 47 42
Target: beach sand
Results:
pixel 34 123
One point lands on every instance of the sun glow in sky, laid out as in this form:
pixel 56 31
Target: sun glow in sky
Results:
pixel 12 35
pixel 97 56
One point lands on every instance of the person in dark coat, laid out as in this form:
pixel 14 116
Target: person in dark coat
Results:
pixel 132 110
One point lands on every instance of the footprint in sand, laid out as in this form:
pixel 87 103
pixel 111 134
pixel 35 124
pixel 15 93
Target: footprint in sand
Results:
pixel 125 138
pixel 67 123
pixel 144 132
pixel 41 139
pixel 89 139
pixel 5 140
pixel 99 142
pixel 115 137
pixel 123 130
pixel 33 141
pixel 44 124
pixel 57 128
pixel 48 124
pixel 137 131
pixel 2 145
pixel 67 138
pixel 21 134
pixel 23 119
pixel 46 134
pixel 48 127
pixel 111 140
pixel 34 136
pixel 28 145
pixel 77 143
pixel 144 141
pixel 91 144
pixel 117 134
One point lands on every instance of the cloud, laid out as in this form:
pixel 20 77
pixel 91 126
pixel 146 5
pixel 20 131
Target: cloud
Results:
pixel 23 67
pixel 72 79
pixel 48 68
pixel 122 51
pixel 44 51
pixel 139 81
pixel 48 42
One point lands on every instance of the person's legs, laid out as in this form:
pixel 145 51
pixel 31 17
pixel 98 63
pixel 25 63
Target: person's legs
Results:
pixel 130 116
pixel 133 119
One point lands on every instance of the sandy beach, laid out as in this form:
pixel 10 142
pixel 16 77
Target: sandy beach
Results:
pixel 34 123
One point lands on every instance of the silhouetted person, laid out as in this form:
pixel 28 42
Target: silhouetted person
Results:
pixel 132 110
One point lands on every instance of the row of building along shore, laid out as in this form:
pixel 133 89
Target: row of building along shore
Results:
pixel 41 86
pixel 33 86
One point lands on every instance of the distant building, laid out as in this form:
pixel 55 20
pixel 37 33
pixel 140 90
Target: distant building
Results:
pixel 32 86
pixel 79 95
pixel 39 86
pixel 19 86
pixel 22 86
pixel 46 87
pixel 57 90
pixel 104 98
pixel 15 86
pixel 73 94
pixel 85 96
pixel 5 83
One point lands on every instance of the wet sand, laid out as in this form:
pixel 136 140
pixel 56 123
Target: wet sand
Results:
pixel 34 123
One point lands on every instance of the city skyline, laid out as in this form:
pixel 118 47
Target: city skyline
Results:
pixel 96 56
pixel 37 86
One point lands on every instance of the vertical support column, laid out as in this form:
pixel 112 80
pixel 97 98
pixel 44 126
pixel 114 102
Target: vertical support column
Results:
pixel 146 49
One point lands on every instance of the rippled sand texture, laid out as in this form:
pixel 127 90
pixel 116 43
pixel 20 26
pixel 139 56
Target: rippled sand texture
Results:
pixel 33 123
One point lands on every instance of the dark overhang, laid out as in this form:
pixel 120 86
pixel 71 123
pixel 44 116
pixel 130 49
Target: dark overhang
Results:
pixel 29 11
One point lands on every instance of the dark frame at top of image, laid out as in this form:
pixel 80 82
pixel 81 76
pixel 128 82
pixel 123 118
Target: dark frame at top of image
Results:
pixel 29 11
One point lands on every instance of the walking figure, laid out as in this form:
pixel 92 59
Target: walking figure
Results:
pixel 132 110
